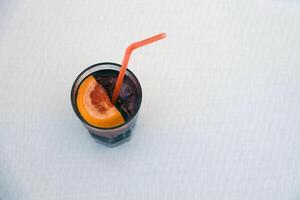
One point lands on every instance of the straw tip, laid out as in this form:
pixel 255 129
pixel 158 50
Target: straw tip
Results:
pixel 163 35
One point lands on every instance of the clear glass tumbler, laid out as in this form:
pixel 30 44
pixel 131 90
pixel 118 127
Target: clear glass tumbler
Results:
pixel 128 103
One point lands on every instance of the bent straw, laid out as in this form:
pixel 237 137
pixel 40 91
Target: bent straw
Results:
pixel 128 51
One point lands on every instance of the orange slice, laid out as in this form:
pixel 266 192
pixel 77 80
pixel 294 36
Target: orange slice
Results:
pixel 95 106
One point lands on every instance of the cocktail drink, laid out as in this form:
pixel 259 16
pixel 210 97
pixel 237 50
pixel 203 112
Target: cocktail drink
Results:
pixel 107 97
pixel 91 100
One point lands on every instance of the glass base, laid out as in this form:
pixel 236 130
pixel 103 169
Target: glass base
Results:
pixel 112 142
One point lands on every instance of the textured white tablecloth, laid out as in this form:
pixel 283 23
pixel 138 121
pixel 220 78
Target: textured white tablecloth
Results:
pixel 220 117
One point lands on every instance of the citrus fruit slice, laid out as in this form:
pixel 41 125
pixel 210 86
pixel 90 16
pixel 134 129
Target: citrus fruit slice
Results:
pixel 95 106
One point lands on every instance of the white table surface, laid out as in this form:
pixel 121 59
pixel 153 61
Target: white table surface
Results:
pixel 220 117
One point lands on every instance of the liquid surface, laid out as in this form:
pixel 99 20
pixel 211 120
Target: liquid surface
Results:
pixel 127 101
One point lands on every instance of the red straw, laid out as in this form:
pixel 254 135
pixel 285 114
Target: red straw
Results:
pixel 126 59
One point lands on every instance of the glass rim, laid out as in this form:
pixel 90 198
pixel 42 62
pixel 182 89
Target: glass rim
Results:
pixel 74 106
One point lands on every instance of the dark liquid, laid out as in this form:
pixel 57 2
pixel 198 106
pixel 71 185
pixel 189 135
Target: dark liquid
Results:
pixel 127 100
